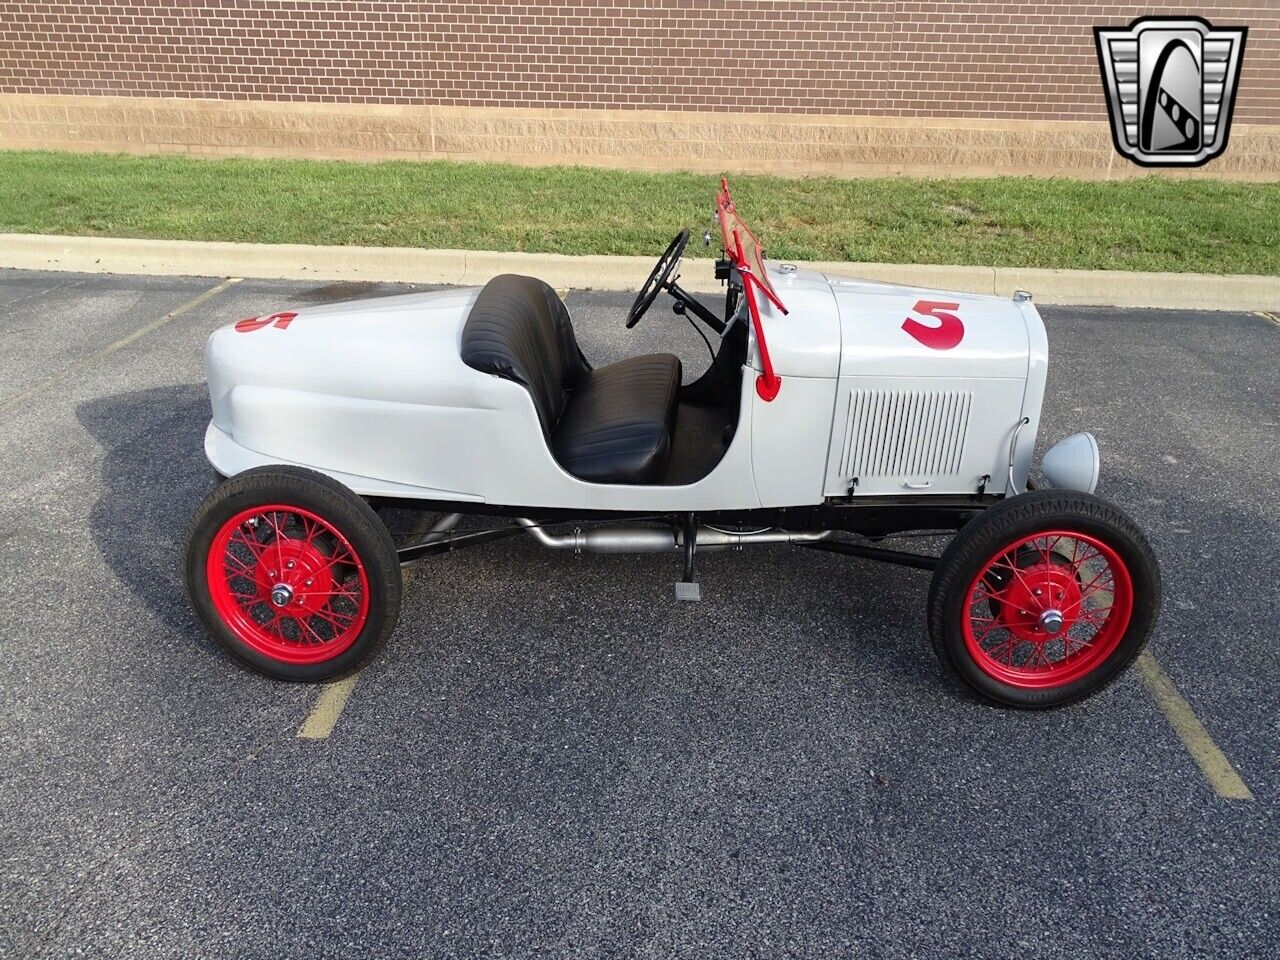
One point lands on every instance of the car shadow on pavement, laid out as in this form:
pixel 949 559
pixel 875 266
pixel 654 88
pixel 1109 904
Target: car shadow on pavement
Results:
pixel 154 474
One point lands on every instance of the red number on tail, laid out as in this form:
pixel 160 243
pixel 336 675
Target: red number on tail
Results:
pixel 947 334
pixel 281 320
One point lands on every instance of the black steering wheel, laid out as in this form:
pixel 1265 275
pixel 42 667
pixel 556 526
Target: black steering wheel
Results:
pixel 659 278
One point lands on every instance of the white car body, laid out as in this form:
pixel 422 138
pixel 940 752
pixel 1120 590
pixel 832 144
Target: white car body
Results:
pixel 374 394
pixel 835 415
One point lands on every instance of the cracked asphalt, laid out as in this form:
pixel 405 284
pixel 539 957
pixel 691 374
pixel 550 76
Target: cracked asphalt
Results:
pixel 553 757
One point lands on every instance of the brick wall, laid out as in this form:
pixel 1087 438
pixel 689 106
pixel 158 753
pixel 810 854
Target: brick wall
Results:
pixel 938 59
pixel 814 86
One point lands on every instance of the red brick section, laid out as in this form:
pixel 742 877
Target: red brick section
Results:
pixel 978 60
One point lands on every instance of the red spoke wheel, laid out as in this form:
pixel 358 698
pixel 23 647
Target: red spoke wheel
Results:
pixel 292 573
pixel 1047 610
pixel 288 584
pixel 1044 599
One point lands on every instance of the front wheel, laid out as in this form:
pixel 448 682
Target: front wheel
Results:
pixel 292 573
pixel 1044 599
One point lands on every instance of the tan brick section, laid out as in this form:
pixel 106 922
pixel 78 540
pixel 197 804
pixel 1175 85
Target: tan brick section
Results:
pixel 796 86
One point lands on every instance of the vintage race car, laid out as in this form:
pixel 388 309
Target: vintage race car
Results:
pixel 836 413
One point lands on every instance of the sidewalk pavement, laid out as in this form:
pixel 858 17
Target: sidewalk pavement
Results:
pixel 407 265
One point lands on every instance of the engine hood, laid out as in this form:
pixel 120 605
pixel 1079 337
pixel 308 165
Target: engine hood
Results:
pixel 841 326
pixel 893 330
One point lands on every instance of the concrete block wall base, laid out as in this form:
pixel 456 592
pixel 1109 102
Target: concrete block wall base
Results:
pixel 708 142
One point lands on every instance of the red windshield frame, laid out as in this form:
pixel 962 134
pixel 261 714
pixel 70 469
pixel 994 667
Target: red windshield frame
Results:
pixel 730 221
pixel 743 248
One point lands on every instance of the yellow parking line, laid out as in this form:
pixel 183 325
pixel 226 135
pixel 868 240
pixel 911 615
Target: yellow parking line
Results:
pixel 328 708
pixel 111 348
pixel 1212 761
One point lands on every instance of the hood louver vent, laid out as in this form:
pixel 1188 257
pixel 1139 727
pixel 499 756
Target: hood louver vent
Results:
pixel 905 433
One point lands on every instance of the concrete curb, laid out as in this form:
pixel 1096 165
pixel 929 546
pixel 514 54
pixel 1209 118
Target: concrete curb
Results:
pixel 408 265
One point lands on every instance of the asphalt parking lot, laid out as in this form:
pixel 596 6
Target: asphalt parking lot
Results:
pixel 555 758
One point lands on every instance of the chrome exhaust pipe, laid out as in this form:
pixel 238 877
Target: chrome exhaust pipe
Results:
pixel 609 540
pixel 657 539
pixel 710 538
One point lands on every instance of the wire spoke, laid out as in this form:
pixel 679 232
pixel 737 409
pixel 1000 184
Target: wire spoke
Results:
pixel 1096 590
pixel 336 558
pixel 246 568
pixel 1080 601
pixel 279 538
pixel 1106 569
pixel 332 593
pixel 333 615
pixel 311 529
pixel 1023 580
pixel 302 622
pixel 1047 552
pixel 250 543
pixel 1010 643
pixel 1097 625
pixel 990 630
pixel 1080 644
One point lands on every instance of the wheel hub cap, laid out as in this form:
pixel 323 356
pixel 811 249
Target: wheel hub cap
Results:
pixel 1033 604
pixel 296 572
pixel 1051 621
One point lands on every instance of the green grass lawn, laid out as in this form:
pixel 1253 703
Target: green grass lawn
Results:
pixel 1143 224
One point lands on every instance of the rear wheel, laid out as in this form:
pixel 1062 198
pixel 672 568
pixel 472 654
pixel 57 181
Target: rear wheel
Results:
pixel 292 573
pixel 1044 599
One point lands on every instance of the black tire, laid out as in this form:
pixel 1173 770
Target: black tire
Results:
pixel 343 511
pixel 1006 524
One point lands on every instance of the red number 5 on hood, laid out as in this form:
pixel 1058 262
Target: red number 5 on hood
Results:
pixel 947 334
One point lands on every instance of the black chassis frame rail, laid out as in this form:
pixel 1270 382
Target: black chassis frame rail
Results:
pixel 870 517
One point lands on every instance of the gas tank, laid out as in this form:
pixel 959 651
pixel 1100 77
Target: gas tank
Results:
pixel 805 341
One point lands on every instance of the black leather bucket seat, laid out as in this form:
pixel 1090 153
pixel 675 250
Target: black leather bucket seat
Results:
pixel 611 425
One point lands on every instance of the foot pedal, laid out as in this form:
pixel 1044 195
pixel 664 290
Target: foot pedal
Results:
pixel 688 591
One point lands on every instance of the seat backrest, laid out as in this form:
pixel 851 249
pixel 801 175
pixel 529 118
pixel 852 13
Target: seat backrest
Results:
pixel 519 329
